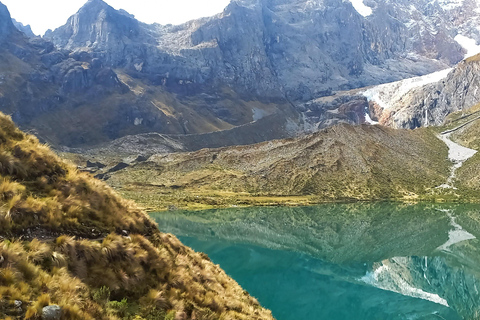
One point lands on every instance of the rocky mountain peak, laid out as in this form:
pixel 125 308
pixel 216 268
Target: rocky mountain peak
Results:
pixel 95 25
pixel 6 24
pixel 96 7
pixel 26 29
pixel 95 3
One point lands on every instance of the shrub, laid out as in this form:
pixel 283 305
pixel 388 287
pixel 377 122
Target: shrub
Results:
pixel 102 295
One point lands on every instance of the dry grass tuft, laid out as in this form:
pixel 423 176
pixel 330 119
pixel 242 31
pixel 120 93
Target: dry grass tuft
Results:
pixel 121 275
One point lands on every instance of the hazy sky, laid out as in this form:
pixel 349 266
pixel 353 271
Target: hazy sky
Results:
pixel 50 14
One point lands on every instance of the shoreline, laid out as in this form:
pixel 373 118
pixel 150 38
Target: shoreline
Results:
pixel 220 201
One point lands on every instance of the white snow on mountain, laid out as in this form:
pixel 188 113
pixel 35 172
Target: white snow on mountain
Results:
pixel 468 44
pixel 387 95
pixel 449 4
pixel 361 7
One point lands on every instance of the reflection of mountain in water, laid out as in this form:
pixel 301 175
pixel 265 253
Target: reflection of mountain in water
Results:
pixel 396 248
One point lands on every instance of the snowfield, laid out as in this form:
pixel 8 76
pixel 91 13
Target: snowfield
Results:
pixel 468 44
pixel 387 95
pixel 361 7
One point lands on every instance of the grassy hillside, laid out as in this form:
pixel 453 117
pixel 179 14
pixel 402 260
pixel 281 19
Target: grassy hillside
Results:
pixel 67 239
pixel 340 163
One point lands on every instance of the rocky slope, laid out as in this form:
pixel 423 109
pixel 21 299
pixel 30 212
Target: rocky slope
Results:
pixel 340 163
pixel 411 103
pixel 69 244
pixel 75 98
pixel 26 29
pixel 428 100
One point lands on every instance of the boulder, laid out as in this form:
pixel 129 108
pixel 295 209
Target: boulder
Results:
pixel 91 164
pixel 52 312
pixel 118 167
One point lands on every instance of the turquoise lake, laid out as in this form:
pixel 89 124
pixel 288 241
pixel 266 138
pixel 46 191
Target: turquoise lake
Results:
pixel 345 261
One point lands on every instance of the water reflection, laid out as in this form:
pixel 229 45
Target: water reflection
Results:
pixel 349 261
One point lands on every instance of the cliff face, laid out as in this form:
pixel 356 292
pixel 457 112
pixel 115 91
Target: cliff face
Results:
pixel 6 22
pixel 7 29
pixel 301 49
pixel 431 104
pixel 26 29
pixel 426 102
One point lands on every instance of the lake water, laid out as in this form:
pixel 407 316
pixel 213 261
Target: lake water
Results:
pixel 345 261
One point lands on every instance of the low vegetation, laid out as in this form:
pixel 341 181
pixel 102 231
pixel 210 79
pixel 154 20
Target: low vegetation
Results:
pixel 68 240
pixel 342 163
pixel 41 193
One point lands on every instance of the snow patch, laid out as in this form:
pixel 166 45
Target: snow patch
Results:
pixel 386 278
pixel 258 114
pixel 456 235
pixel 468 44
pixel 449 4
pixel 387 95
pixel 361 7
pixel 457 154
pixel 369 120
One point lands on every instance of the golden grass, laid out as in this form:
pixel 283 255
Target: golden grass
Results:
pixel 39 190
pixel 120 277
pixel 154 199
pixel 140 274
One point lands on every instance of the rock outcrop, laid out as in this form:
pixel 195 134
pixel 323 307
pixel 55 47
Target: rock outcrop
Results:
pixel 26 29
pixel 7 28
pixel 52 312
pixel 429 104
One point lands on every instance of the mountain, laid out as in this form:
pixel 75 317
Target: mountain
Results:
pixel 105 76
pixel 69 245
pixel 7 29
pixel 74 98
pixel 26 29
pixel 298 49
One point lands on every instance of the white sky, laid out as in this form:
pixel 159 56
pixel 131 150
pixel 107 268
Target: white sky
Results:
pixel 50 14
